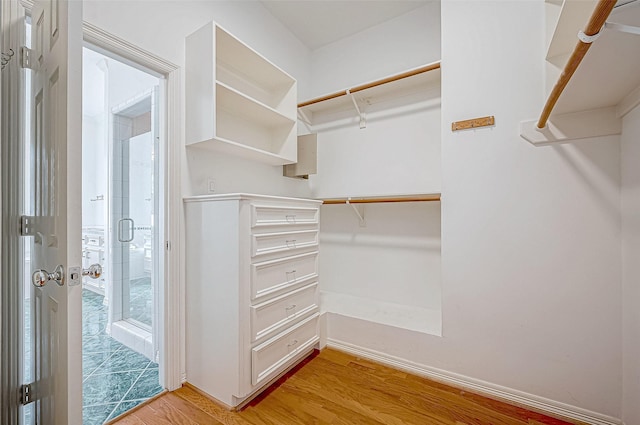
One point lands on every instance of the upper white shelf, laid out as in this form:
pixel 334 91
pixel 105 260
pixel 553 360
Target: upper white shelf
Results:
pixel 237 101
pixel 606 84
pixel 609 71
pixel 411 81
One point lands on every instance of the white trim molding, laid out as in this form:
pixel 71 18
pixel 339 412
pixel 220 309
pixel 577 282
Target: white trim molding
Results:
pixel 171 348
pixel 104 40
pixel 477 386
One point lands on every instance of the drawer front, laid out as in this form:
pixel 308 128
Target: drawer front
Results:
pixel 273 356
pixel 262 215
pixel 93 255
pixel 275 315
pixel 270 277
pixel 93 240
pixel 268 243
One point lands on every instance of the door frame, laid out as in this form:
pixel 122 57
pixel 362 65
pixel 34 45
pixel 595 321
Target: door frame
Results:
pixel 12 36
pixel 172 351
pixel 170 327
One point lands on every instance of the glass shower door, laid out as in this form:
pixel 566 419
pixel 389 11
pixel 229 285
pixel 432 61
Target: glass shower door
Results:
pixel 136 231
pixel 134 202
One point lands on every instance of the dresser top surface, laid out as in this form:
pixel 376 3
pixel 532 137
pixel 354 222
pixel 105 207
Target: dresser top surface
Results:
pixel 246 196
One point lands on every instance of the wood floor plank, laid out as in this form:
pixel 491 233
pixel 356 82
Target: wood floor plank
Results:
pixel 335 388
pixel 130 420
pixel 161 412
pixel 190 410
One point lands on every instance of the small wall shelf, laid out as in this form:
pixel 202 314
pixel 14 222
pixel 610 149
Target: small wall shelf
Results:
pixel 237 101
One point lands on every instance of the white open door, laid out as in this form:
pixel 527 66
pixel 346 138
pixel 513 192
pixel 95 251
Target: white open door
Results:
pixel 55 222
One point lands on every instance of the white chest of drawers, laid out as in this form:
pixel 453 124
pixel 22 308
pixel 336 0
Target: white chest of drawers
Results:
pixel 251 290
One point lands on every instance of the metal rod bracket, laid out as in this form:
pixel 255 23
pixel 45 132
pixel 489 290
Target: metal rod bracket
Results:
pixel 359 213
pixel 361 115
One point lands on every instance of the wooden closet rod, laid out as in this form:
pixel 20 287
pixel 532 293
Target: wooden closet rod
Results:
pixel 417 198
pixel 411 73
pixel 594 26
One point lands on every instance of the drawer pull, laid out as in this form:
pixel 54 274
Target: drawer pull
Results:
pixel 291 218
pixel 292 242
pixel 291 307
pixel 292 343
pixel 292 272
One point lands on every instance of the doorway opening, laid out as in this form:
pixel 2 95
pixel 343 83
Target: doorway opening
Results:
pixel 122 222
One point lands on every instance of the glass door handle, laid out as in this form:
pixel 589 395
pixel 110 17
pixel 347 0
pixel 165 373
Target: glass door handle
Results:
pixel 94 271
pixel 41 277
pixel 131 229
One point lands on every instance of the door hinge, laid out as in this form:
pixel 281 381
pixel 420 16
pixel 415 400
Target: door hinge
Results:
pixel 26 394
pixel 28 225
pixel 26 58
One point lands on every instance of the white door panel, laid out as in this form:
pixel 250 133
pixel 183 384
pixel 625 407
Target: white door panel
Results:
pixel 56 117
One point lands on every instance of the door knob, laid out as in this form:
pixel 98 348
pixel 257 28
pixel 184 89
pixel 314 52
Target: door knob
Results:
pixel 94 271
pixel 39 278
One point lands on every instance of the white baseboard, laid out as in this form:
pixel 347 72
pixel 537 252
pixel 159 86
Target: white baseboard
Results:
pixel 520 398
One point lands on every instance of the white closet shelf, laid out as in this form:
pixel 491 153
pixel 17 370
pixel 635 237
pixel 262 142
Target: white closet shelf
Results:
pixel 414 318
pixel 604 87
pixel 242 59
pixel 220 144
pixel 413 80
pixel 238 103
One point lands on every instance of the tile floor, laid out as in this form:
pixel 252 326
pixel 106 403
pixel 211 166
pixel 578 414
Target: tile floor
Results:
pixel 140 300
pixel 115 378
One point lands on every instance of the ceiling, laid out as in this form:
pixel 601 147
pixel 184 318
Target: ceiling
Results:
pixel 319 22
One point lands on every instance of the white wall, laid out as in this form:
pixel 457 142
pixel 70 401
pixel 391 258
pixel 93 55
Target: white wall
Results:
pixel 406 42
pixel 530 235
pixel 160 27
pixel 631 266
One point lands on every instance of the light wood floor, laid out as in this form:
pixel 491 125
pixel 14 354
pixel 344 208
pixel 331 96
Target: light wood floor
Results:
pixel 336 388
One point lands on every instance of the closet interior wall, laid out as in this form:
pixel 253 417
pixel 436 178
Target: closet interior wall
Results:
pixel 630 152
pixel 389 270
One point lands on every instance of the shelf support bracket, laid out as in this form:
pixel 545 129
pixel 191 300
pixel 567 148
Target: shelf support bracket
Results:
pixel 305 120
pixel 360 214
pixel 361 115
pixel 622 28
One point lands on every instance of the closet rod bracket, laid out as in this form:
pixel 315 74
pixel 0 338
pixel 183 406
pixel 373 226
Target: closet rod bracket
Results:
pixel 361 115
pixel 588 39
pixel 359 213
pixel 305 120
